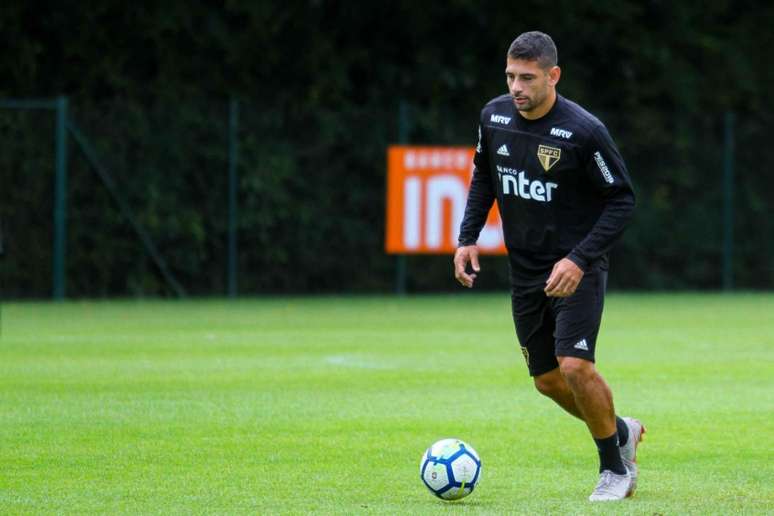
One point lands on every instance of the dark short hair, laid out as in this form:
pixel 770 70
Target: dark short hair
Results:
pixel 534 46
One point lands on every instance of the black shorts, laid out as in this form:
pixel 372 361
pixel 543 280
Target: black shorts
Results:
pixel 548 327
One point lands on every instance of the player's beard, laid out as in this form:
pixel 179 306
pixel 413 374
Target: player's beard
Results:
pixel 531 103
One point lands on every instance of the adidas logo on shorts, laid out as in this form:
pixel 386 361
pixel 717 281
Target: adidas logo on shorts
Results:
pixel 582 345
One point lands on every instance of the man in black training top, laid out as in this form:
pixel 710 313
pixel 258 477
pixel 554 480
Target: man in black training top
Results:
pixel 564 197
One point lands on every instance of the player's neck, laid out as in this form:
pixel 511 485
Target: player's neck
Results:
pixel 541 110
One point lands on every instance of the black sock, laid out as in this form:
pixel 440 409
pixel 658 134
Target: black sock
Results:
pixel 623 431
pixel 610 455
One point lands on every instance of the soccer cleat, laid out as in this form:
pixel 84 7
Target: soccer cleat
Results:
pixel 611 486
pixel 629 450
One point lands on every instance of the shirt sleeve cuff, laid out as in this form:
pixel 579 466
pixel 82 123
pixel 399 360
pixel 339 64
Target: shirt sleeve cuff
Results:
pixel 578 260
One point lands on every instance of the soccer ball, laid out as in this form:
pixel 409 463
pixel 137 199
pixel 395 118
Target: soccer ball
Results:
pixel 450 469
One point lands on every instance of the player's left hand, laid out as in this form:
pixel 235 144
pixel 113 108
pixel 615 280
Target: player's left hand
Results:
pixel 564 279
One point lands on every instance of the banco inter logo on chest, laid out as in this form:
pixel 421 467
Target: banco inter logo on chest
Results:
pixel 515 182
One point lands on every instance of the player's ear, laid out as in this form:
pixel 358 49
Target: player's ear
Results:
pixel 554 73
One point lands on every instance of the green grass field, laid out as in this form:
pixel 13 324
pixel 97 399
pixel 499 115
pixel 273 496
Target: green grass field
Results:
pixel 325 405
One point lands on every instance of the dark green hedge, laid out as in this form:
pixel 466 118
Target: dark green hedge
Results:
pixel 319 85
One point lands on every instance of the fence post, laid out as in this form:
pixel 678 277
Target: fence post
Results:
pixel 401 261
pixel 60 200
pixel 233 150
pixel 728 201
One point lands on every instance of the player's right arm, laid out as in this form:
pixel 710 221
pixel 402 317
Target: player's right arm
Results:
pixel 480 199
pixel 463 255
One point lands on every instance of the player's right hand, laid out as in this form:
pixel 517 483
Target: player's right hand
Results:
pixel 462 256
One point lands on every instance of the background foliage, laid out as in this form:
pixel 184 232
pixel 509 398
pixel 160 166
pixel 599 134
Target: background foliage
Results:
pixel 319 85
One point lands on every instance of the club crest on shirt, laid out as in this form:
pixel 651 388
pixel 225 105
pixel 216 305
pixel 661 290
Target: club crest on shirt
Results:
pixel 548 156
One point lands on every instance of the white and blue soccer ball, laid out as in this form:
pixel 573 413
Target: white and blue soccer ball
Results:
pixel 450 469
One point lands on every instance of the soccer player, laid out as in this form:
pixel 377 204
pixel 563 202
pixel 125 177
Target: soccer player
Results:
pixel 564 196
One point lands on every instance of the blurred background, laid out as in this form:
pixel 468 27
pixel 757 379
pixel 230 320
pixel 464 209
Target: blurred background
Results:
pixel 239 148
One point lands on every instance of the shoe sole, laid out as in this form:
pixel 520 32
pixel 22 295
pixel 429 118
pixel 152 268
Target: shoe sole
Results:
pixel 633 487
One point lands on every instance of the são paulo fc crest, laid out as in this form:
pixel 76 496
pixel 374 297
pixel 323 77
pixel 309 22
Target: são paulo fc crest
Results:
pixel 548 156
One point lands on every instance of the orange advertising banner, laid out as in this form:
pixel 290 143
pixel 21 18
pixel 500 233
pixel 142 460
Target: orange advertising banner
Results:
pixel 427 188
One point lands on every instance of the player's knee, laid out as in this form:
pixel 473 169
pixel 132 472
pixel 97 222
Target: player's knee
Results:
pixel 576 370
pixel 550 384
pixel 545 386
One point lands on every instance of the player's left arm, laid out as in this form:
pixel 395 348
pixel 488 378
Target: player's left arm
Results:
pixel 606 170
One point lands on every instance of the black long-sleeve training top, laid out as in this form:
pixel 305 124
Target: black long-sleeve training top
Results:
pixel 561 186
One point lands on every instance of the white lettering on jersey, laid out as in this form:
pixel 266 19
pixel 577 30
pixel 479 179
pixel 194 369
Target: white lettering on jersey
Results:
pixel 500 119
pixel 564 133
pixel 603 167
pixel 515 182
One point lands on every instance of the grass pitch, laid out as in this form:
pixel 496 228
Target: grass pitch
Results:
pixel 325 405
